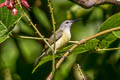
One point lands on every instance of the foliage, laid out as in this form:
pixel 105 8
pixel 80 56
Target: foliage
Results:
pixel 97 57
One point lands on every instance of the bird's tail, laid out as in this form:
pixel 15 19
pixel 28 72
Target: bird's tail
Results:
pixel 39 58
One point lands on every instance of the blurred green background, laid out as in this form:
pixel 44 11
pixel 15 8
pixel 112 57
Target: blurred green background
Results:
pixel 17 56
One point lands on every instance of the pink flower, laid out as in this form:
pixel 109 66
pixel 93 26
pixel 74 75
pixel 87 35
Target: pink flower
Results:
pixel 2 5
pixel 25 3
pixel 11 5
pixel 14 11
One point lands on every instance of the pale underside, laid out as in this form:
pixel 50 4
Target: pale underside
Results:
pixel 62 38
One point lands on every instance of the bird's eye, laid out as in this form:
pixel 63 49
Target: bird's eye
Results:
pixel 67 22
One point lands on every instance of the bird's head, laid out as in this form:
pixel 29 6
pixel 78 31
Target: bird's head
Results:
pixel 67 24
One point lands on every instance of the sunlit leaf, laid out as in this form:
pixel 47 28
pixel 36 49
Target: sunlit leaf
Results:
pixel 117 33
pixel 107 39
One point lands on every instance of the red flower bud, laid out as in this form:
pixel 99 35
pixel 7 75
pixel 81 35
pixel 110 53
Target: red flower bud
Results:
pixel 25 3
pixel 6 2
pixel 2 5
pixel 10 5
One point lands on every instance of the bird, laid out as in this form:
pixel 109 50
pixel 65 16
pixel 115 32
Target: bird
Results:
pixel 62 36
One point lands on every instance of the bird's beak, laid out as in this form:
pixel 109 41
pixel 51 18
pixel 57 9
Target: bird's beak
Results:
pixel 75 20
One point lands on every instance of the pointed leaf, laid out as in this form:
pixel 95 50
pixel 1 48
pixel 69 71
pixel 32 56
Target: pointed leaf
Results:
pixel 107 39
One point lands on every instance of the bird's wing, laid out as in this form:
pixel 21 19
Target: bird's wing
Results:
pixel 59 34
pixel 50 41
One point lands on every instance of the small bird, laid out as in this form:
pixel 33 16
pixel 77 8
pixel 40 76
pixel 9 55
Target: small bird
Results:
pixel 62 36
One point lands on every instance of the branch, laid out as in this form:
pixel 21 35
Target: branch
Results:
pixel 78 70
pixel 79 43
pixel 53 24
pixel 90 3
pixel 7 74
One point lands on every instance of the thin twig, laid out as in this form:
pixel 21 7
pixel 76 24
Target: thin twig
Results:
pixel 81 42
pixel 28 37
pixel 78 70
pixel 34 25
pixel 108 49
pixel 37 38
pixel 7 74
pixel 53 24
pixel 74 42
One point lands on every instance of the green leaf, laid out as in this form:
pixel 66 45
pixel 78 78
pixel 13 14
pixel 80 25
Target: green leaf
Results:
pixel 27 51
pixel 42 17
pixel 107 39
pixel 9 54
pixel 117 33
pixel 95 17
pixel 3 30
pixel 25 27
pixel 7 22
pixel 65 68
pixel 43 60
pixel 90 45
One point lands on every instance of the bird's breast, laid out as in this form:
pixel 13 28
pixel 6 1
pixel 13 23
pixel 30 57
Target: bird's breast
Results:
pixel 63 40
